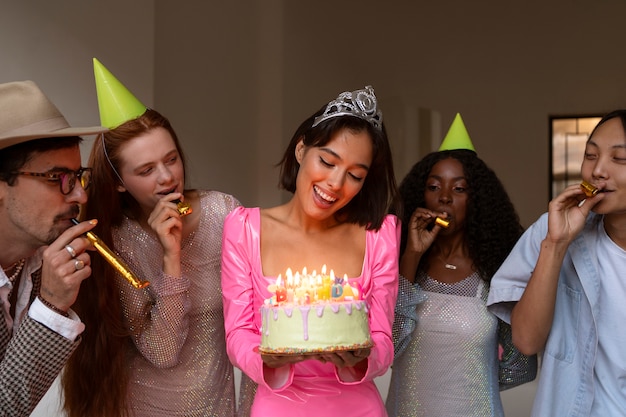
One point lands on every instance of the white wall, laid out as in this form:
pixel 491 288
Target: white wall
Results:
pixel 505 67
pixel 53 43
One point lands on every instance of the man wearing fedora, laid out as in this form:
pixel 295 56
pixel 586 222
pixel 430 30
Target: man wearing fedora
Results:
pixel 42 254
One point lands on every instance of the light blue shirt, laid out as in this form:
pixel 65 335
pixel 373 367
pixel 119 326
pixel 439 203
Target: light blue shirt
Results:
pixel 566 386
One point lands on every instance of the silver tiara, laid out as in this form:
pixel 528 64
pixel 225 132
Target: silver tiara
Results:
pixel 359 103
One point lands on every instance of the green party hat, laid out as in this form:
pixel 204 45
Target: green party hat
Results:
pixel 117 105
pixel 457 136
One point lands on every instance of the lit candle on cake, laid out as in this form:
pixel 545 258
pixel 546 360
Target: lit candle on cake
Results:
pixel 323 288
pixel 323 284
pixel 299 290
pixel 348 291
pixel 281 292
pixel 337 288
pixel 289 286
pixel 303 288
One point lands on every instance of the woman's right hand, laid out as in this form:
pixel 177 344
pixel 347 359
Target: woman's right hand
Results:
pixel 278 361
pixel 166 222
pixel 419 237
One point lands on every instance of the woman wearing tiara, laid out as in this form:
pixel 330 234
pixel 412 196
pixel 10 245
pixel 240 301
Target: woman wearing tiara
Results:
pixel 447 361
pixel 158 350
pixel 338 167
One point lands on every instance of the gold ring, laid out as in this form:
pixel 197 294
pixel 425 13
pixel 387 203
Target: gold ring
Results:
pixel 70 250
pixel 78 264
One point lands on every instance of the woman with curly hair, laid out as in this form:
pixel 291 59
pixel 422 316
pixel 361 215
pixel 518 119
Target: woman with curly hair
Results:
pixel 458 227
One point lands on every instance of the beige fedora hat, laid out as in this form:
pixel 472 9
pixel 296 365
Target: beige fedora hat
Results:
pixel 27 114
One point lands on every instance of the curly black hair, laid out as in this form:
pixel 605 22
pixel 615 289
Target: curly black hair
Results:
pixel 492 223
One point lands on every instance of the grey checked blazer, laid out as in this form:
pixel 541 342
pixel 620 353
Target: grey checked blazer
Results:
pixel 31 360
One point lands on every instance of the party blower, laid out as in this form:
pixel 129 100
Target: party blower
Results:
pixel 115 261
pixel 183 208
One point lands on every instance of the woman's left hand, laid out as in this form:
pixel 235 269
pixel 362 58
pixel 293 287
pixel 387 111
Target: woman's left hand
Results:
pixel 348 358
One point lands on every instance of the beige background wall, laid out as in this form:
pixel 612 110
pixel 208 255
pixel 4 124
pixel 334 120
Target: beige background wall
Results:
pixel 243 77
pixel 236 78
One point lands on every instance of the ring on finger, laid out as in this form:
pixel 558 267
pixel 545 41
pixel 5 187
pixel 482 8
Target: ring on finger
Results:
pixel 78 264
pixel 70 250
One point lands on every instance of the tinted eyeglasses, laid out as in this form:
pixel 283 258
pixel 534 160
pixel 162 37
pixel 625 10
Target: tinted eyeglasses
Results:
pixel 65 177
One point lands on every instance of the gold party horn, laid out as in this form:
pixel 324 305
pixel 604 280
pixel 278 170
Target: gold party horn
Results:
pixel 589 189
pixel 115 261
pixel 442 222
pixel 183 208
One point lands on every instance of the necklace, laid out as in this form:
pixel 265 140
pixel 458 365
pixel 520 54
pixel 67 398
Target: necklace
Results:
pixel 446 264
pixel 17 268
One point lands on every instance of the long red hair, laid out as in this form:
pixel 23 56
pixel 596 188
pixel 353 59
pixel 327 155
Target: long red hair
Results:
pixel 95 381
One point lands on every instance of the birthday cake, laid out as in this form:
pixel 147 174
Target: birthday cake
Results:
pixel 314 313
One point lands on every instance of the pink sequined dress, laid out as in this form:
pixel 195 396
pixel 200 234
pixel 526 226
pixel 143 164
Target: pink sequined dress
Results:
pixel 179 364
pixel 311 388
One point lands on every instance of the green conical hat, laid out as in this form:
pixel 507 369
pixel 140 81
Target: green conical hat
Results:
pixel 457 137
pixel 116 104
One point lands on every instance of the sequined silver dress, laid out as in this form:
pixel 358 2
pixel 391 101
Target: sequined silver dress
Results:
pixel 179 364
pixel 450 365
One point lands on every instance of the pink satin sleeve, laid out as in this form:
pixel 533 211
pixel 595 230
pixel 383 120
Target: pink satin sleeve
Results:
pixel 380 287
pixel 239 250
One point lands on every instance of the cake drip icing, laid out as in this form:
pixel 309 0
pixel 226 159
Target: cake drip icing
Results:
pixel 327 327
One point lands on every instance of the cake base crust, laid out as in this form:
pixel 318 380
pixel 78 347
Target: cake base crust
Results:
pixel 300 352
